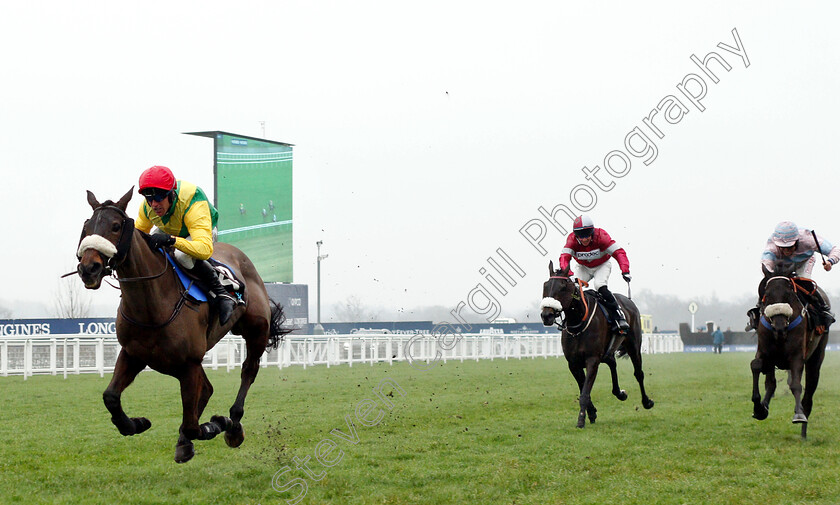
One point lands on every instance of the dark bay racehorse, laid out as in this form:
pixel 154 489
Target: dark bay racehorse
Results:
pixel 786 340
pixel 588 338
pixel 157 325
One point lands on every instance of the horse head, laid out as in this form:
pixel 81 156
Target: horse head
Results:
pixel 106 239
pixel 779 303
pixel 557 293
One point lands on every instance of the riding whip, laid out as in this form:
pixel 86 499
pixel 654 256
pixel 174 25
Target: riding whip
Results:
pixel 814 234
pixel 628 290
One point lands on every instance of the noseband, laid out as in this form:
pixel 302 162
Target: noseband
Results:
pixel 764 319
pixel 123 244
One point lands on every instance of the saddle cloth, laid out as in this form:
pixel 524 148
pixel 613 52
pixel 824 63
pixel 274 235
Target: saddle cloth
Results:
pixel 226 276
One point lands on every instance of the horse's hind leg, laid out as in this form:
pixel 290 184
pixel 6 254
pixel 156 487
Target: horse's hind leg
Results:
pixel 196 391
pixel 125 371
pixel 616 391
pixel 255 344
pixel 635 353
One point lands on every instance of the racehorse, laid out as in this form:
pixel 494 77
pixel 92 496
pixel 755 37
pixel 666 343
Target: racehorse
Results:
pixel 786 340
pixel 157 326
pixel 588 338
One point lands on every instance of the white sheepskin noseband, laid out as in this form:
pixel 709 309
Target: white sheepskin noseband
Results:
pixel 551 303
pixel 777 309
pixel 97 243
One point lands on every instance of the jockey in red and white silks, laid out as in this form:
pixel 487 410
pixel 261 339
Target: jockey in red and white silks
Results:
pixel 592 248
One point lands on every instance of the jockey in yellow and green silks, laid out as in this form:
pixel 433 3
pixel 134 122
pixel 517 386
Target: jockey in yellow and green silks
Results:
pixel 186 220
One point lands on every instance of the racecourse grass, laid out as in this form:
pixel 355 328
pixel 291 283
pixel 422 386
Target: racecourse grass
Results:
pixel 489 432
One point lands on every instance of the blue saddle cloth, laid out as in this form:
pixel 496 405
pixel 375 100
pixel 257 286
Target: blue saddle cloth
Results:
pixel 193 290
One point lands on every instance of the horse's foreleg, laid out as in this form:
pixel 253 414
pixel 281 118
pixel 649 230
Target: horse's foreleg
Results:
pixel 761 408
pixel 616 390
pixel 586 390
pixel 125 370
pixel 796 388
pixel 812 379
pixel 580 378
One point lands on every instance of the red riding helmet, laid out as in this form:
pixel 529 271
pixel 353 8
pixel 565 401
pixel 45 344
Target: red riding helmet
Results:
pixel 158 177
pixel 583 227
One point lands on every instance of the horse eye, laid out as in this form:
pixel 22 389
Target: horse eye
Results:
pixel 115 227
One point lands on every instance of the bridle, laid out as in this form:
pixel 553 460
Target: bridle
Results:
pixel 577 294
pixel 799 318
pixel 123 246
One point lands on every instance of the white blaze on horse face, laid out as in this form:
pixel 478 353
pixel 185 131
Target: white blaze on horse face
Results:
pixel 551 303
pixel 777 309
pixel 98 243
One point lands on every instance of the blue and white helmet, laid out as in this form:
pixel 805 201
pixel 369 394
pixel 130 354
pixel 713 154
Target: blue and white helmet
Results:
pixel 786 234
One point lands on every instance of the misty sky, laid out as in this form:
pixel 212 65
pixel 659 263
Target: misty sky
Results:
pixel 427 136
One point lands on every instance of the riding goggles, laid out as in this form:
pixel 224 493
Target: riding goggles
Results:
pixel 154 195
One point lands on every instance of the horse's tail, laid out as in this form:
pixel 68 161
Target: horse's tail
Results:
pixel 277 330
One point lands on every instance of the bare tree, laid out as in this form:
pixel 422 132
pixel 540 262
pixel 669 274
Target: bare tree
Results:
pixel 70 299
pixel 352 310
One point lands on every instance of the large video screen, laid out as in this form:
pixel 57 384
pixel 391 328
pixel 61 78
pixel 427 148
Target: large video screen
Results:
pixel 254 199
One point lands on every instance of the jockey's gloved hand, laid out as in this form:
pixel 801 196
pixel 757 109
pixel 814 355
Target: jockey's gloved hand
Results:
pixel 626 276
pixel 159 240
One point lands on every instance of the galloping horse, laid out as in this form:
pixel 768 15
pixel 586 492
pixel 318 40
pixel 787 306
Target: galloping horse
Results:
pixel 786 340
pixel 157 325
pixel 588 339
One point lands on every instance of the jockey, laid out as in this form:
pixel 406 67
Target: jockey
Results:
pixel 186 220
pixel 794 248
pixel 592 248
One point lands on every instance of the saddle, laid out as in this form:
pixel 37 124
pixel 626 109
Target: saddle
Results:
pixel 197 292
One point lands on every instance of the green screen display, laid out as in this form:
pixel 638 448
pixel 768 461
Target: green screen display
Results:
pixel 254 200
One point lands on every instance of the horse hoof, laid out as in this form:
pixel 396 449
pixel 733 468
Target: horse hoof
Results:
pixel 799 418
pixel 647 404
pixel 235 436
pixel 224 423
pixel 184 453
pixel 141 424
pixel 622 395
pixel 760 412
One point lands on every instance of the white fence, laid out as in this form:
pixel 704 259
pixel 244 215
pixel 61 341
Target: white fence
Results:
pixel 75 354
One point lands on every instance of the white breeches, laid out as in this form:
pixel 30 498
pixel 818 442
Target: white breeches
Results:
pixel 596 277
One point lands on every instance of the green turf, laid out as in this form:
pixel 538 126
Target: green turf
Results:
pixel 499 432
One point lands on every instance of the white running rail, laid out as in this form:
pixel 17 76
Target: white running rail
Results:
pixel 76 354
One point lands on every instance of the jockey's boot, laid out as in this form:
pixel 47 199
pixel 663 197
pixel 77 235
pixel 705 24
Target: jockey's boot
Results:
pixel 824 315
pixel 753 314
pixel 224 302
pixel 612 306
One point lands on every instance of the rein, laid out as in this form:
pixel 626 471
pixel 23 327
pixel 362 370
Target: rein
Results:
pixel 175 312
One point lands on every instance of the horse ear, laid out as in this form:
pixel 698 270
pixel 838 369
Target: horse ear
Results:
pixel 765 271
pixel 564 272
pixel 123 203
pixel 92 200
pixel 550 268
